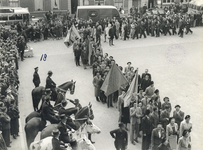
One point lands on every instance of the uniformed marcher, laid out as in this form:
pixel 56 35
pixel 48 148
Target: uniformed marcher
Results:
pixel 36 78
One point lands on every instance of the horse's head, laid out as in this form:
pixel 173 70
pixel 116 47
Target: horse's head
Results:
pixel 90 113
pixel 72 87
pixel 91 128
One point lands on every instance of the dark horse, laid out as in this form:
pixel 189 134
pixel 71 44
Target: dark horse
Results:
pixel 80 118
pixel 61 90
pixel 36 124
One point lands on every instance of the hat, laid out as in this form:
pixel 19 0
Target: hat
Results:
pixel 55 132
pixel 121 124
pixel 110 56
pixel 129 63
pixel 177 106
pixel 36 68
pixel 188 116
pixel 62 116
pixel 50 72
pixel 1 80
pixel 159 123
pixel 47 90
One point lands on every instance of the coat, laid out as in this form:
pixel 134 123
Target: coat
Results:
pixel 50 83
pixel 120 136
pixel 56 144
pixel 155 119
pixel 156 139
pixel 96 83
pixel 146 125
pixel 164 118
pixel 179 116
pixel 64 134
pixel 36 78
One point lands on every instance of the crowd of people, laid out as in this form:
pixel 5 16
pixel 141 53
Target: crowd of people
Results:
pixel 160 127
pixel 9 84
pixel 145 113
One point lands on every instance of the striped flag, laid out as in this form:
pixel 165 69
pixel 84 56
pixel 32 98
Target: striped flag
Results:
pixel 72 36
pixel 113 81
pixel 132 89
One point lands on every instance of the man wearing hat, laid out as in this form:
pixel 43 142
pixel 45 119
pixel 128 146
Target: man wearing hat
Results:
pixel 178 115
pixel 121 137
pixel 48 112
pixel 63 128
pixel 158 134
pixel 36 78
pixel 146 73
pixel 51 84
pixel 56 143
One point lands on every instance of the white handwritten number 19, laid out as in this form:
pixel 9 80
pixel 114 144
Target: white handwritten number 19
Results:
pixel 45 56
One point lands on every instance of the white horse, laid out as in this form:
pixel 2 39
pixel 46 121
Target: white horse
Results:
pixel 44 144
pixel 80 136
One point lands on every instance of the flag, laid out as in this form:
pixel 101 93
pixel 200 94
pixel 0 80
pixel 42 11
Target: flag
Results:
pixel 72 36
pixel 113 81
pixel 132 89
pixel 55 3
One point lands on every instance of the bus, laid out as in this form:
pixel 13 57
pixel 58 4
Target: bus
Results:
pixel 97 13
pixel 10 15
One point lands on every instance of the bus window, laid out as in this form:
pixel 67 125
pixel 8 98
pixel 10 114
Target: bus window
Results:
pixel 104 13
pixel 4 18
pixel 13 17
pixel 19 17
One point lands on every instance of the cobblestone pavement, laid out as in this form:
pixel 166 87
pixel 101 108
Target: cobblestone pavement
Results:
pixel 176 73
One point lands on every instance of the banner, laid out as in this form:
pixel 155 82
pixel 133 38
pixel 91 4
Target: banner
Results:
pixel 132 89
pixel 113 81
pixel 72 36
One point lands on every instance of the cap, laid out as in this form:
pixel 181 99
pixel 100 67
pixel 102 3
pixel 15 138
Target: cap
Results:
pixel 121 124
pixel 50 72
pixel 36 68
pixel 47 90
pixel 177 106
pixel 62 116
pixel 55 132
pixel 129 63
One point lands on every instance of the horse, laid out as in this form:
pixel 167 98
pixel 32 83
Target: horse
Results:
pixel 32 127
pixel 46 144
pixel 87 127
pixel 61 90
pixel 69 111
pixel 80 118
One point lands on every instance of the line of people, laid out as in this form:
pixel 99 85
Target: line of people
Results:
pixel 9 84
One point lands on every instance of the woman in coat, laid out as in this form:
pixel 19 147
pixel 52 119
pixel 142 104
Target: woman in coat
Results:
pixel 171 133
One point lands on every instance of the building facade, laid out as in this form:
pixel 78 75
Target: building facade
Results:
pixel 71 5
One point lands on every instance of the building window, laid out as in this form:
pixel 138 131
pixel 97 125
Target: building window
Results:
pixel 99 2
pixel 172 1
pixel 118 4
pixel 14 3
pixel 164 1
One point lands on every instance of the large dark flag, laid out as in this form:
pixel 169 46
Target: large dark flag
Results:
pixel 113 81
pixel 132 89
pixel 72 36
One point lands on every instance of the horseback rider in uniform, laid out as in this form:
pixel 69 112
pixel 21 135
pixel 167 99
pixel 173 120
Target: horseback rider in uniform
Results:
pixel 52 85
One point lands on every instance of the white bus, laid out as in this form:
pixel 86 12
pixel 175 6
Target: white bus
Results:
pixel 97 13
pixel 9 15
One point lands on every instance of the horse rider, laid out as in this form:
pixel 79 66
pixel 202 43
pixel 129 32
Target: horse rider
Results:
pixel 46 94
pixel 52 85
pixel 48 111
pixel 64 128
pixel 56 143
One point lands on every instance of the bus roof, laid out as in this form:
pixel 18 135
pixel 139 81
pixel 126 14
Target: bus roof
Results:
pixel 13 10
pixel 97 7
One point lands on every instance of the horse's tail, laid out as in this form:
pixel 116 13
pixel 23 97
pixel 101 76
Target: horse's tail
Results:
pixel 33 98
